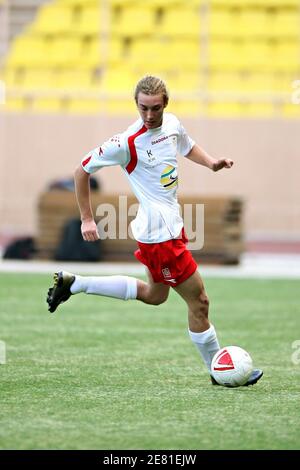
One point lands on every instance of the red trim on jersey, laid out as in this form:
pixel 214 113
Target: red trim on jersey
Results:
pixel 85 162
pixel 133 155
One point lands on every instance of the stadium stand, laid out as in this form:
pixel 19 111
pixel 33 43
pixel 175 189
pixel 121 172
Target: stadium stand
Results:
pixel 220 57
pixel 21 13
pixel 224 240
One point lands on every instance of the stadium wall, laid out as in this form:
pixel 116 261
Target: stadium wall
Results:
pixel 37 149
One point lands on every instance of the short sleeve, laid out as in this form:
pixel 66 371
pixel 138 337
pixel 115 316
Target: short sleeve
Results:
pixel 112 152
pixel 184 142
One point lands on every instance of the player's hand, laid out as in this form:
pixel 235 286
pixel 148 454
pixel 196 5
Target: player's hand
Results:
pixel 89 231
pixel 222 163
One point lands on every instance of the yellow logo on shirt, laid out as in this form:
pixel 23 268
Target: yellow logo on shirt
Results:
pixel 169 177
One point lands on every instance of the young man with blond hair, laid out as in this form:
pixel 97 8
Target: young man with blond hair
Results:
pixel 147 152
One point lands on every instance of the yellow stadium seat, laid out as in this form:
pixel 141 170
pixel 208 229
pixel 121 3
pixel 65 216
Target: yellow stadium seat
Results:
pixel 35 80
pixel 255 23
pixel 148 52
pixel 286 24
pixel 85 56
pixel 252 23
pixel 81 3
pixel 181 22
pixel 240 55
pixel 118 86
pixel 74 79
pixel 115 51
pixel 195 3
pixel 90 22
pixel 257 56
pixel 52 19
pixel 254 3
pixel 119 80
pixel 186 53
pixel 164 55
pixel 154 4
pixel 225 55
pixel 223 24
pixel 122 3
pixel 282 5
pixel 65 52
pixel 286 56
pixel 93 54
pixel 230 3
pixel 28 51
pixel 134 21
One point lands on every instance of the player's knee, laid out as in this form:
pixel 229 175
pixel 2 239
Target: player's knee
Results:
pixel 158 299
pixel 146 295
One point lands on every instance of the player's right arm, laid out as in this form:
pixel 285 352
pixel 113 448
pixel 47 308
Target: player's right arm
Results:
pixel 82 189
pixel 112 152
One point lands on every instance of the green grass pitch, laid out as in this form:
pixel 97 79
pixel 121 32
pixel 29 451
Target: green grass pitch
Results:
pixel 108 374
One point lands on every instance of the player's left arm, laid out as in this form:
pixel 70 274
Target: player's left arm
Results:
pixel 200 156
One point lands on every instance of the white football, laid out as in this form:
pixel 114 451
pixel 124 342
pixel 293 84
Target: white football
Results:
pixel 231 366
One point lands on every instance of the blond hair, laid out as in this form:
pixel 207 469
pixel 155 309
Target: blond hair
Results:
pixel 151 85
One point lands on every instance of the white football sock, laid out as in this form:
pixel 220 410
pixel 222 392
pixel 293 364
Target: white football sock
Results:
pixel 119 287
pixel 207 344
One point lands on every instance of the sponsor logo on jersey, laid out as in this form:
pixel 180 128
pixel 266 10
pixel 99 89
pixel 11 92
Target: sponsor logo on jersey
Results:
pixel 161 139
pixel 169 177
pixel 151 158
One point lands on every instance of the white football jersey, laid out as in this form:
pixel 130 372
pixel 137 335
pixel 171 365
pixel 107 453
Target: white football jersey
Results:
pixel 149 159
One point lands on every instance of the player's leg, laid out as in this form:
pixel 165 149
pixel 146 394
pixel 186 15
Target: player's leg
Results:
pixel 154 293
pixel 66 284
pixel 202 333
pixel 119 287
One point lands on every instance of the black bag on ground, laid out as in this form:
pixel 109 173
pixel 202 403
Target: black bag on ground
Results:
pixel 72 246
pixel 20 249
